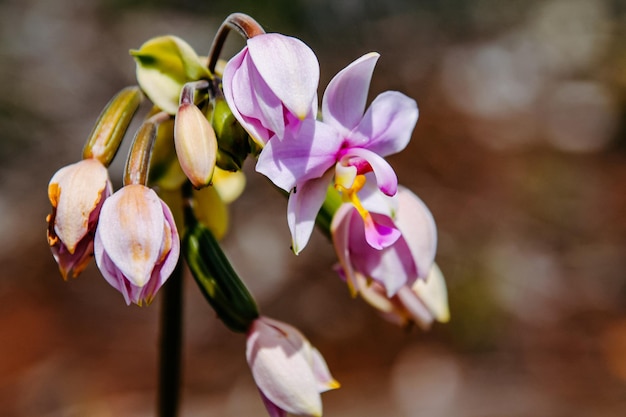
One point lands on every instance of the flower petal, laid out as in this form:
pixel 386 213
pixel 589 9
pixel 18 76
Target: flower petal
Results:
pixel 340 232
pixel 238 94
pixel 304 203
pixel 433 293
pixel 131 231
pixel 392 266
pixel 418 229
pixel 385 175
pixel 290 69
pixel 76 191
pixel 325 381
pixel 345 97
pixel 380 231
pixel 415 307
pixel 388 124
pixel 300 157
pixel 276 354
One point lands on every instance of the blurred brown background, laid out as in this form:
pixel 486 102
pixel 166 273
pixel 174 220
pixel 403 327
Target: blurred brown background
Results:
pixel 520 153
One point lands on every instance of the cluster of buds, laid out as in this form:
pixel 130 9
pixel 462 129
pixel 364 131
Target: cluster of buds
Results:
pixel 184 168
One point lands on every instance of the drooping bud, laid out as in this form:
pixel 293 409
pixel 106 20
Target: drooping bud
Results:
pixel 137 244
pixel 164 65
pixel 289 372
pixel 196 144
pixel 111 126
pixel 76 193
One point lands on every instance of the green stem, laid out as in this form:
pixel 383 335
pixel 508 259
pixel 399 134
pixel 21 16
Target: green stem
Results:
pixel 171 343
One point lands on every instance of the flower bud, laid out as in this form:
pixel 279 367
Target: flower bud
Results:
pixel 111 126
pixel 289 372
pixel 217 280
pixel 136 244
pixel 196 145
pixel 76 193
pixel 164 65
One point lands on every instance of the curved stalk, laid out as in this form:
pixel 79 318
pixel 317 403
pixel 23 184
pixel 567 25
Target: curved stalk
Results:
pixel 241 23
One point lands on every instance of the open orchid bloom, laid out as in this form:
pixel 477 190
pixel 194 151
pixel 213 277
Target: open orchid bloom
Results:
pixel 76 193
pixel 422 303
pixel 271 85
pixel 398 265
pixel 289 372
pixel 136 244
pixel 348 143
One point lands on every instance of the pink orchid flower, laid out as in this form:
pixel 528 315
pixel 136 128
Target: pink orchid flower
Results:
pixel 271 85
pixel 289 372
pixel 410 257
pixel 349 143
pixel 136 244
pixel 76 193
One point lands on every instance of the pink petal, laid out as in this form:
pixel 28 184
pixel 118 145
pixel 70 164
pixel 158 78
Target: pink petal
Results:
pixel 380 232
pixel 300 157
pixel 385 175
pixel 387 125
pixel 276 354
pixel 268 107
pixel 272 409
pixel 392 266
pixel 340 232
pixel 290 69
pixel 131 231
pixel 345 97
pixel 418 229
pixel 304 203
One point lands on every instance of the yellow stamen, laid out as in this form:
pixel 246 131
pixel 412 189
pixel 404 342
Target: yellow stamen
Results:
pixel 351 195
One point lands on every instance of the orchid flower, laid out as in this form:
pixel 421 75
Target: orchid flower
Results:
pixel 289 372
pixel 410 257
pixel 271 85
pixel 76 193
pixel 136 244
pixel 349 142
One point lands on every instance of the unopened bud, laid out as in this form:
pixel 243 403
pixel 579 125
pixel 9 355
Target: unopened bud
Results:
pixel 109 130
pixel 217 280
pixel 196 145
pixel 164 65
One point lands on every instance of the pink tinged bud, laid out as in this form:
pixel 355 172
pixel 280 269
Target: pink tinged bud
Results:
pixel 289 372
pixel 196 144
pixel 77 193
pixel 136 244
pixel 271 85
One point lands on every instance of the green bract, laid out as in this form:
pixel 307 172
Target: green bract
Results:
pixel 164 65
pixel 232 139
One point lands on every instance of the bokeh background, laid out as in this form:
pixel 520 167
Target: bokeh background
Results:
pixel 520 152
